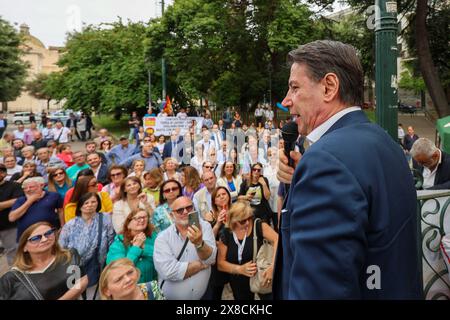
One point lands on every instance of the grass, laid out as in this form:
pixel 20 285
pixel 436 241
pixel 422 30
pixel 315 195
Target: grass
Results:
pixel 115 127
pixel 371 115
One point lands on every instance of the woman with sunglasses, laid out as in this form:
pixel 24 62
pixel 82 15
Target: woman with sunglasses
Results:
pixel 170 190
pixel 84 185
pixel 83 234
pixel 136 243
pixel 59 181
pixel 256 191
pixel 116 174
pixel 42 270
pixel 29 170
pixel 235 250
pixel 131 198
pixel 119 281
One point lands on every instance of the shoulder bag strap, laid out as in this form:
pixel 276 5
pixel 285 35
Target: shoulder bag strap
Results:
pixel 60 134
pixel 178 258
pixel 255 240
pixel 28 284
pixel 97 250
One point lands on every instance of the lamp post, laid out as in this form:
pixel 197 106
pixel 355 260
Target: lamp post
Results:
pixel 386 66
pixel 163 63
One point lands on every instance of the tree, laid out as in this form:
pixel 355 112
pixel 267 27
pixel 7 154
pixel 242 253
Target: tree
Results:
pixel 12 69
pixel 103 68
pixel 232 52
pixel 37 88
pixel 425 16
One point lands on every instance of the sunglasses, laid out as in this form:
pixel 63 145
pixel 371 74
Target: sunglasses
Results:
pixel 189 209
pixel 208 167
pixel 58 174
pixel 171 190
pixel 256 169
pixel 116 174
pixel 38 238
pixel 242 222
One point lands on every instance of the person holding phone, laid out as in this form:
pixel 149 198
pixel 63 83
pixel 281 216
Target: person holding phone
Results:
pixel 217 217
pixel 256 190
pixel 183 254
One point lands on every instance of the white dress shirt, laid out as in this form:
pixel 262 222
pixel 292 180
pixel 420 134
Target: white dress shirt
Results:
pixel 318 132
pixel 168 245
pixel 429 176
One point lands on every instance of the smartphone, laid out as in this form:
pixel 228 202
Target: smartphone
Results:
pixel 194 219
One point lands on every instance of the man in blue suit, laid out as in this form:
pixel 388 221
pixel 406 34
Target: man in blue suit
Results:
pixel 174 147
pixel 349 228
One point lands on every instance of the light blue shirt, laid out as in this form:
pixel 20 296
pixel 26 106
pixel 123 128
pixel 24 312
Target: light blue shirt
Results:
pixel 119 154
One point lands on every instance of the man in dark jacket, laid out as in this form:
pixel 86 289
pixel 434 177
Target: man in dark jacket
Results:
pixel 432 163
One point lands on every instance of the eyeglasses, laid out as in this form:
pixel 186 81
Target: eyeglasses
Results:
pixel 242 222
pixel 38 238
pixel 116 174
pixel 189 208
pixel 256 169
pixel 208 167
pixel 171 190
pixel 58 174
pixel 142 218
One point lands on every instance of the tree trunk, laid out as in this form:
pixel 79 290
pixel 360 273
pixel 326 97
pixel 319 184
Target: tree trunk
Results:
pixel 4 106
pixel 427 68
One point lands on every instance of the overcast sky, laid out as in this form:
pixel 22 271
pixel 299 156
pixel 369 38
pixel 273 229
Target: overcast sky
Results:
pixel 50 20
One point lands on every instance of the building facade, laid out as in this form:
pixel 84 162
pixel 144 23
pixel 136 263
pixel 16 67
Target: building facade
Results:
pixel 40 60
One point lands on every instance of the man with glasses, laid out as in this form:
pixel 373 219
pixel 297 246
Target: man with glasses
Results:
pixel 9 192
pixel 122 151
pixel 37 205
pixel 202 198
pixel 185 278
pixel 80 164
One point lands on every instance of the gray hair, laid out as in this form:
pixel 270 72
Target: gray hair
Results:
pixel 28 148
pixel 325 56
pixel 423 146
pixel 39 180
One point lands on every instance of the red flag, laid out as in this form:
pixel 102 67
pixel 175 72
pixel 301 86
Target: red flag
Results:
pixel 168 107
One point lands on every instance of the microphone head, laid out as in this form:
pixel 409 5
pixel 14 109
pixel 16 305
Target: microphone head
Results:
pixel 289 132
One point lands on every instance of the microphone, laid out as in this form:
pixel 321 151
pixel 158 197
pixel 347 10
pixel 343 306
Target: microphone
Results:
pixel 290 133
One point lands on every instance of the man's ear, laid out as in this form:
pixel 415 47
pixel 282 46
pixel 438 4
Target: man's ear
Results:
pixel 330 84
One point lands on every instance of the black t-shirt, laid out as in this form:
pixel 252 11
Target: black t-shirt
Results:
pixel 136 122
pixel 8 190
pixel 52 283
pixel 232 249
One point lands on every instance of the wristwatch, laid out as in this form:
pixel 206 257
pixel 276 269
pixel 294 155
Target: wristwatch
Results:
pixel 200 245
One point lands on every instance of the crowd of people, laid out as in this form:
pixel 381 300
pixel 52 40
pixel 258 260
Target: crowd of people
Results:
pixel 118 212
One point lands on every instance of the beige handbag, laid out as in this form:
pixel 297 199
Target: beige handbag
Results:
pixel 263 261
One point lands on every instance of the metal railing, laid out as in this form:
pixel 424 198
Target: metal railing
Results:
pixel 434 224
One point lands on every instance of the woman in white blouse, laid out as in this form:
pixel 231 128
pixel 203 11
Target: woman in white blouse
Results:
pixel 131 197
pixel 170 166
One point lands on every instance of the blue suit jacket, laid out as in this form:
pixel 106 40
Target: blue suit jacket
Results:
pixel 167 151
pixel 352 205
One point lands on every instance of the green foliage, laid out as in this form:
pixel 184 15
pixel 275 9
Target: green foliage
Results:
pixel 103 69
pixel 231 52
pixel 12 69
pixel 410 82
pixel 36 87
pixel 117 127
